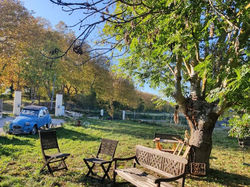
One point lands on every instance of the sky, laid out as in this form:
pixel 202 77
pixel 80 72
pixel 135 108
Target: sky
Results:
pixel 55 14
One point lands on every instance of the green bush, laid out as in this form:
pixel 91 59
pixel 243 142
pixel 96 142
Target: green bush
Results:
pixel 240 126
pixel 6 126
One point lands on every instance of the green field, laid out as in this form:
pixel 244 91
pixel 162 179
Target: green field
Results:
pixel 21 158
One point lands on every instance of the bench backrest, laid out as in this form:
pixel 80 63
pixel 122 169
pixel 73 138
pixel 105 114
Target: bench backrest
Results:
pixel 163 163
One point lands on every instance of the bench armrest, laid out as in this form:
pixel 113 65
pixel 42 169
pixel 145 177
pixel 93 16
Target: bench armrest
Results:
pixel 124 159
pixel 159 180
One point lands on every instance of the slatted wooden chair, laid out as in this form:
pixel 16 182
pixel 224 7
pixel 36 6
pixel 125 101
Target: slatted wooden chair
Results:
pixel 49 143
pixel 108 148
pixel 168 136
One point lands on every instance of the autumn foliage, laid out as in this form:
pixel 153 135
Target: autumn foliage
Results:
pixel 33 60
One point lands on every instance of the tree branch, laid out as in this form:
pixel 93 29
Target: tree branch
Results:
pixel 178 94
pixel 187 67
pixel 223 16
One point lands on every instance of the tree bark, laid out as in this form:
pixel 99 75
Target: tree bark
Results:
pixel 201 119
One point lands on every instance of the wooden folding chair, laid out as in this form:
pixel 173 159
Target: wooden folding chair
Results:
pixel 165 138
pixel 107 147
pixel 168 136
pixel 48 141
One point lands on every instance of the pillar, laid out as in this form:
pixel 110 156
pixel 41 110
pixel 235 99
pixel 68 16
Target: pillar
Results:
pixel 17 103
pixel 58 107
pixel 101 112
pixel 123 115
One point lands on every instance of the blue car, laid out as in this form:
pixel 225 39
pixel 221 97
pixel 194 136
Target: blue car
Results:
pixel 30 120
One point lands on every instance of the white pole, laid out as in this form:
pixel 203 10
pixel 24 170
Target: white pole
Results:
pixel 17 103
pixel 58 107
pixel 123 114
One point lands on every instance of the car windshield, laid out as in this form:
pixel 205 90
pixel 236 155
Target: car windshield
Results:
pixel 29 112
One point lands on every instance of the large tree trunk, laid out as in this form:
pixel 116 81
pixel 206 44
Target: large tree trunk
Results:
pixel 201 119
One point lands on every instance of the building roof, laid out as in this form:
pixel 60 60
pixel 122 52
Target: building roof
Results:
pixel 33 107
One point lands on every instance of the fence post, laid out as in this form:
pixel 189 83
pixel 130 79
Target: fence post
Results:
pixel 1 108
pixel 123 114
pixel 101 113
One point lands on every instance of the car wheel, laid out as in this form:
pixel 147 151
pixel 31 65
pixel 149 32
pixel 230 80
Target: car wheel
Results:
pixel 48 126
pixel 34 130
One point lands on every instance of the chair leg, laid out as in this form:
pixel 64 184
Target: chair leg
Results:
pixel 64 163
pixel 43 167
pixel 114 177
pixel 183 182
pixel 89 167
pixel 106 174
pixel 50 170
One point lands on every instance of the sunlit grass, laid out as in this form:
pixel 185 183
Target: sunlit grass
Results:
pixel 21 157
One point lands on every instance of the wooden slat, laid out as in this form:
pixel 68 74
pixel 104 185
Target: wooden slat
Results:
pixel 180 150
pixel 177 147
pixel 186 152
pixel 139 178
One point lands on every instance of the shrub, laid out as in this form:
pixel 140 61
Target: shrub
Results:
pixel 6 126
pixel 240 126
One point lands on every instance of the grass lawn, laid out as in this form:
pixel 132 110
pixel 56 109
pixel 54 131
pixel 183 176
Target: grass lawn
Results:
pixel 21 158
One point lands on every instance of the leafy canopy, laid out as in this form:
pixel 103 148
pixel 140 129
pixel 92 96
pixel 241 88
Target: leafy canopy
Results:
pixel 207 38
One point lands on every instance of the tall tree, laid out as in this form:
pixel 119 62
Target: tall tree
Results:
pixel 13 39
pixel 19 31
pixel 197 49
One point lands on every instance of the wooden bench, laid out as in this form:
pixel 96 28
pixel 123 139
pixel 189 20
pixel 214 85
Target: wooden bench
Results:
pixel 171 167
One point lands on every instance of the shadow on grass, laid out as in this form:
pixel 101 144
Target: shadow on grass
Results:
pixel 74 135
pixel 138 130
pixel 8 151
pixel 94 181
pixel 224 178
pixel 65 133
pixel 4 140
